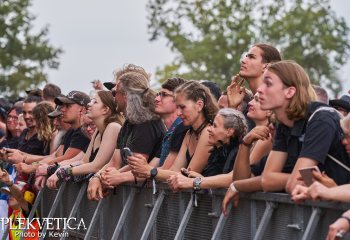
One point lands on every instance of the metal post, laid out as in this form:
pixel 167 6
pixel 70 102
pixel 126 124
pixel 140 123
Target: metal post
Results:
pixel 180 232
pixel 311 225
pixel 53 208
pixel 76 205
pixel 124 213
pixel 221 223
pixel 153 216
pixel 270 207
pixel 91 227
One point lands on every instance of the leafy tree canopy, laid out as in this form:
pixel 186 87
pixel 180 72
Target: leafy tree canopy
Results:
pixel 210 36
pixel 23 55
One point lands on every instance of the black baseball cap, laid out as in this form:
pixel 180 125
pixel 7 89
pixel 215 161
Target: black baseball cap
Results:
pixel 57 112
pixel 343 102
pixel 109 85
pixel 74 97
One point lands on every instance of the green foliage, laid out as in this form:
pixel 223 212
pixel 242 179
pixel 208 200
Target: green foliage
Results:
pixel 210 36
pixel 23 55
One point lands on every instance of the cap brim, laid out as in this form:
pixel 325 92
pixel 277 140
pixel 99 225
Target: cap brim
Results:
pixel 109 85
pixel 340 103
pixel 62 100
pixel 54 114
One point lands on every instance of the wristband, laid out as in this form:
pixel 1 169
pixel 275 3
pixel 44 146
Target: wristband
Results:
pixel 245 144
pixel 62 174
pixel 233 188
pixel 95 176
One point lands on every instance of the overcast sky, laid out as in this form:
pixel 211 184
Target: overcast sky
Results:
pixel 100 36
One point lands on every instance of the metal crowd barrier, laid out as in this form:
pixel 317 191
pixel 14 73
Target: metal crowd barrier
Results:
pixel 135 213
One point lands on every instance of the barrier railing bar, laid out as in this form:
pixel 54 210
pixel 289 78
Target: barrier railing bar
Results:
pixel 53 208
pixel 311 225
pixel 124 213
pixel 76 205
pixel 34 208
pixel 221 223
pixel 94 218
pixel 153 215
pixel 181 230
pixel 270 207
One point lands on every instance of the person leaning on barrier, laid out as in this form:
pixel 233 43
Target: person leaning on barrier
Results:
pixel 253 152
pixel 320 191
pixel 142 132
pixel 73 109
pixel 197 108
pixel 298 143
pixel 103 111
pixel 45 132
pixel 166 108
pixel 229 126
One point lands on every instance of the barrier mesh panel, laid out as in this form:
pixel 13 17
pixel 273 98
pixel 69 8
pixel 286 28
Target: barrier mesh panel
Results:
pixel 110 214
pixel 46 204
pixel 323 225
pixel 170 213
pixel 237 225
pixel 138 214
pixel 277 228
pixel 200 224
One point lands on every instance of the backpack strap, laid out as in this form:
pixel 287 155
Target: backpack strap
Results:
pixel 329 109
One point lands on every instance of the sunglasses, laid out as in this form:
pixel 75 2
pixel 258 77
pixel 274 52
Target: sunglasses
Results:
pixel 164 94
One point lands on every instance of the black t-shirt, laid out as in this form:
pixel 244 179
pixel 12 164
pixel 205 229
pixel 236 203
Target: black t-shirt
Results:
pixel 221 159
pixel 75 138
pixel 258 168
pixel 33 145
pixel 143 138
pixel 10 143
pixel 315 139
pixel 177 137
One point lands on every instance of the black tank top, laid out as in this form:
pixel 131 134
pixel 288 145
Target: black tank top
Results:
pixel 94 153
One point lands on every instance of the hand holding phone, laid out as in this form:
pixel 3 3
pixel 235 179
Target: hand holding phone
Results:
pixel 185 172
pixel 127 152
pixel 306 174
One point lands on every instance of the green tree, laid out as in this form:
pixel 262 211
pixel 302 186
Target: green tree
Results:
pixel 210 36
pixel 24 56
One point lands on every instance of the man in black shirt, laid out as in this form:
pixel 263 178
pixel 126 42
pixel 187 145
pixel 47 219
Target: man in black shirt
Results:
pixel 142 131
pixel 287 91
pixel 28 142
pixel 75 141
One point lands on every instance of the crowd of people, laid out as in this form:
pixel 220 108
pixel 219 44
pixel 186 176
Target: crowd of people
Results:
pixel 256 135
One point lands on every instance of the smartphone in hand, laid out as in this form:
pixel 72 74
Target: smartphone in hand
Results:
pixel 306 174
pixel 185 172
pixel 127 152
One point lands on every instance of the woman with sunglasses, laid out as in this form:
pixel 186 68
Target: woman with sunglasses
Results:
pixel 102 111
pixel 197 108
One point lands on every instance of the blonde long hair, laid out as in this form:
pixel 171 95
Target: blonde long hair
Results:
pixel 293 75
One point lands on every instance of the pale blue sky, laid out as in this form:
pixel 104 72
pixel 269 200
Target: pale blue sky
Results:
pixel 100 36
